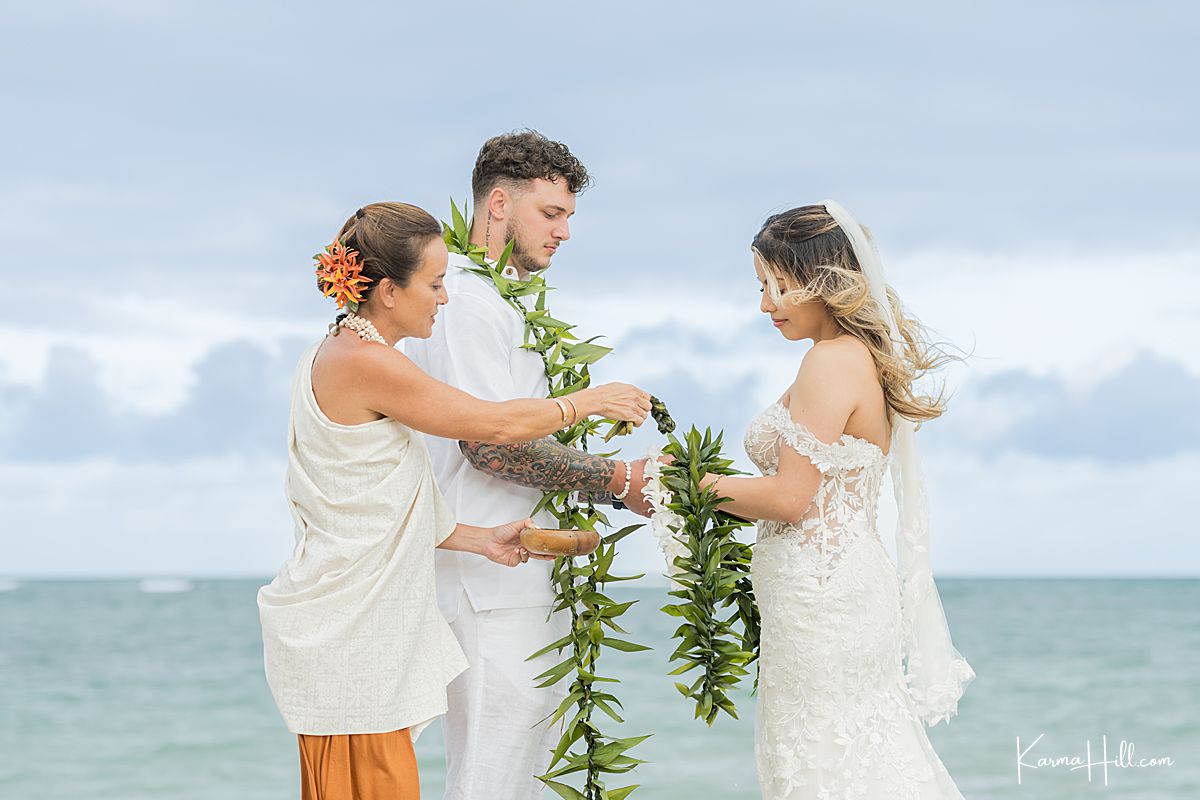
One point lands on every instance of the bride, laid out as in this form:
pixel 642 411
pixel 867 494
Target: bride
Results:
pixel 855 655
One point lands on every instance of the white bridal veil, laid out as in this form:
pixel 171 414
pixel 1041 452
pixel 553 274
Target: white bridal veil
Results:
pixel 937 673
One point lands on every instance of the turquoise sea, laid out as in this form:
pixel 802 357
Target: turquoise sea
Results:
pixel 125 689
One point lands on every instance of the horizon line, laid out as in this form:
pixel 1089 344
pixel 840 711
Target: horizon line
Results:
pixel 646 582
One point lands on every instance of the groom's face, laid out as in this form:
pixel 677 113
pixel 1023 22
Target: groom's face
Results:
pixel 539 222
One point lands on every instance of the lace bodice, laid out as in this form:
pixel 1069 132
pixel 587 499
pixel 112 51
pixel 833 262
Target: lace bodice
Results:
pixel 844 507
pixel 836 719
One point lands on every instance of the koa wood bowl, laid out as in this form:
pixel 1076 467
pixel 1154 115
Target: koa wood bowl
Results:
pixel 559 543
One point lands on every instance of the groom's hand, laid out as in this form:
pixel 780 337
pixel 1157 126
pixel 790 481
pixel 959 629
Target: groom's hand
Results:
pixel 634 501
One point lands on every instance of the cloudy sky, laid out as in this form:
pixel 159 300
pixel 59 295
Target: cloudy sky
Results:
pixel 1030 171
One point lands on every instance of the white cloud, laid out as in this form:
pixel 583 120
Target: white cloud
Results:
pixel 1077 316
pixel 1074 319
pixel 1144 411
pixel 171 212
pixel 1023 515
pixel 1009 515
pixel 997 509
pixel 107 517
pixel 237 405
pixel 1080 314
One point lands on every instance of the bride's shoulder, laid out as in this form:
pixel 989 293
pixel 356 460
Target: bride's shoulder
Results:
pixel 844 356
pixel 841 367
pixel 828 385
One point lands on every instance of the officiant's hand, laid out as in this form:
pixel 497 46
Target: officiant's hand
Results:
pixel 505 544
pixel 619 401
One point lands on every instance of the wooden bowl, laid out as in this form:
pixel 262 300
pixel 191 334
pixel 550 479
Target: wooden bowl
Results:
pixel 559 543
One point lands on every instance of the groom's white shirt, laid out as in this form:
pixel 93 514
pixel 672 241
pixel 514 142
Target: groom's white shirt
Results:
pixel 476 346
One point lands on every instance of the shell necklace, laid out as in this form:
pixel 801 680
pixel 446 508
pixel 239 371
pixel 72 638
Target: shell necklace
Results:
pixel 363 327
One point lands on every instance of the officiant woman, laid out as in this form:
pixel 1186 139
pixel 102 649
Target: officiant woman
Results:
pixel 356 653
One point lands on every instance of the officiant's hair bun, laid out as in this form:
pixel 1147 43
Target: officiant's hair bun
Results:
pixel 520 156
pixel 389 238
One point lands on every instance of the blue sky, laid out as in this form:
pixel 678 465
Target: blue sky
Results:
pixel 1029 171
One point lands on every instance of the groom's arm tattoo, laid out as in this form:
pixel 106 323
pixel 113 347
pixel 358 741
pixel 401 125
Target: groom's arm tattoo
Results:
pixel 544 464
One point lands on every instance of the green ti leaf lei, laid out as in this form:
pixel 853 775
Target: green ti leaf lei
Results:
pixel 713 576
pixel 719 631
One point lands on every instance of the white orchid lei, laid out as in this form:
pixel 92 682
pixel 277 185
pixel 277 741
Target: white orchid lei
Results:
pixel 665 524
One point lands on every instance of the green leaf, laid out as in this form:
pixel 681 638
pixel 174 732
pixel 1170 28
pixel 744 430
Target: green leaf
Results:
pixel 612 539
pixel 505 255
pixel 460 224
pixel 571 734
pixel 556 673
pixel 564 791
pixel 585 353
pixel 556 645
pixel 616 610
pixel 623 646
pixel 605 754
pixel 565 706
pixel 618 578
pixel 622 793
pixel 606 708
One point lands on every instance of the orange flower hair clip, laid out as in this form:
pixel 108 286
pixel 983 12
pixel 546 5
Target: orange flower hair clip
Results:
pixel 339 275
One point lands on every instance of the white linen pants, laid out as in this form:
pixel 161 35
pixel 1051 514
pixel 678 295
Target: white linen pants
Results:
pixel 496 741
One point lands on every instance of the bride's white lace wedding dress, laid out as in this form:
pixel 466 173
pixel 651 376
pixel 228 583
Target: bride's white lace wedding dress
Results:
pixel 835 716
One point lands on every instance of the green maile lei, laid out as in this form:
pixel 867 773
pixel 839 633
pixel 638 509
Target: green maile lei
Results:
pixel 584 751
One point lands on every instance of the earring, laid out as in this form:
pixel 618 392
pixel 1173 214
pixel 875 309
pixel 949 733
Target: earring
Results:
pixel 487 231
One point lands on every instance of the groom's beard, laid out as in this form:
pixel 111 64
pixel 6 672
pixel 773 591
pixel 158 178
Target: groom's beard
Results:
pixel 522 254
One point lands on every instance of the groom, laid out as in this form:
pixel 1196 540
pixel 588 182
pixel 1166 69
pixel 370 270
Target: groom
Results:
pixel 524 188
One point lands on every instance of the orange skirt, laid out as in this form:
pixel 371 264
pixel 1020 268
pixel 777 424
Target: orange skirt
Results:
pixel 359 766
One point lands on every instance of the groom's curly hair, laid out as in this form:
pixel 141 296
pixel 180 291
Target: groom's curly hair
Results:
pixel 520 156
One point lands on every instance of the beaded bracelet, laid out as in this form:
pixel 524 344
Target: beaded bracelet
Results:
pixel 628 475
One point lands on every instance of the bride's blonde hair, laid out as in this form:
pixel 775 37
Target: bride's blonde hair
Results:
pixel 807 249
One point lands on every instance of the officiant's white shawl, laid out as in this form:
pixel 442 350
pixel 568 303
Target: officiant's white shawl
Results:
pixel 353 640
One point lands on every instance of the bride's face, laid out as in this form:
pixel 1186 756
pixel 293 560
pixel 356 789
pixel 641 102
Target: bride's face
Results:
pixel 796 321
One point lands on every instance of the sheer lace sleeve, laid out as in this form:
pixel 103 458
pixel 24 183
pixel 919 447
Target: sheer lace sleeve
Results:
pixel 845 454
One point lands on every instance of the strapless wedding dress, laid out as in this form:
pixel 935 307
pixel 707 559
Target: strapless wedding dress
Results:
pixel 835 716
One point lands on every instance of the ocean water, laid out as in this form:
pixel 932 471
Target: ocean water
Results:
pixel 154 689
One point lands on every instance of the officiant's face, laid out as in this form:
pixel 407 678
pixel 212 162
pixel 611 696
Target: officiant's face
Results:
pixel 539 222
pixel 417 303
